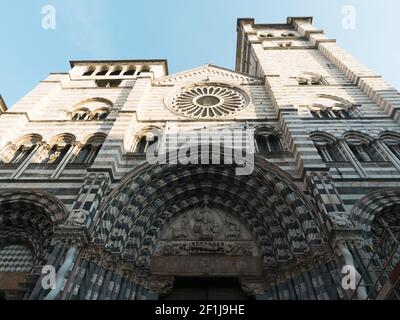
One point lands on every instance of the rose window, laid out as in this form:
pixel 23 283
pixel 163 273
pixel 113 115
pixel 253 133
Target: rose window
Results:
pixel 208 101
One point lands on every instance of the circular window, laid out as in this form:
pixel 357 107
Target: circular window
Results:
pixel 208 101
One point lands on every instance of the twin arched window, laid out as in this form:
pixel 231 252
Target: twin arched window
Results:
pixel 108 83
pixel 18 152
pixel 328 149
pixel 94 109
pixel 22 153
pixel 364 151
pixel 267 141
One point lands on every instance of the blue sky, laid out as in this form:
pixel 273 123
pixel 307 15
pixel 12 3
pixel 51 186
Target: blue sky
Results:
pixel 188 33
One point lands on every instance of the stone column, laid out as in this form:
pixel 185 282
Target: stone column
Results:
pixel 389 154
pixel 25 163
pixel 89 198
pixel 356 164
pixel 337 224
pixel 64 161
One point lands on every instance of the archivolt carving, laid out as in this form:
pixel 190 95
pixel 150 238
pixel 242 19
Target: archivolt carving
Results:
pixel 274 212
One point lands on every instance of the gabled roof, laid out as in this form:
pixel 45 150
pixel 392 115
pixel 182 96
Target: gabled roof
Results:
pixel 208 72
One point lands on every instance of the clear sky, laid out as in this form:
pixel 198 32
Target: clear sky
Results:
pixel 188 33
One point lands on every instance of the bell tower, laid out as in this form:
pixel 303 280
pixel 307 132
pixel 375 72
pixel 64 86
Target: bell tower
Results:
pixel 335 114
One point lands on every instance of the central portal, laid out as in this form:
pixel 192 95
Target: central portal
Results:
pixel 206 289
pixel 205 251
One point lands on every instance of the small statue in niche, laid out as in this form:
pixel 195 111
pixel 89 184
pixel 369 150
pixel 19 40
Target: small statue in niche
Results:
pixel 205 225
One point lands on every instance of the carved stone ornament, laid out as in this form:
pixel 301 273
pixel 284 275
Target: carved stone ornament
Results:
pixel 340 220
pixel 206 231
pixel 252 287
pixel 78 217
pixel 161 285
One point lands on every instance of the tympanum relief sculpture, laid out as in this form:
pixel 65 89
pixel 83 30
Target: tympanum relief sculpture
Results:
pixel 205 231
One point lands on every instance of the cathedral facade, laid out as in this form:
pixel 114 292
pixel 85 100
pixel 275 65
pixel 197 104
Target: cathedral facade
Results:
pixel 113 186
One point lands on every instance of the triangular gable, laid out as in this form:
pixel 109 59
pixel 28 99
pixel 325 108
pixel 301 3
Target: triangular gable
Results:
pixel 208 73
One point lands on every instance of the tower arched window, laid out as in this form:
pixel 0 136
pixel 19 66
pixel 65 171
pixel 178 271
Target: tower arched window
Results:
pixel 56 154
pixel 91 109
pixel 99 114
pixel 18 152
pixel 83 154
pixel 392 141
pixel 341 114
pixel 22 153
pixel 130 71
pixel 80 114
pixel 116 72
pixel 325 114
pixel 146 140
pixel 103 71
pixel 268 142
pixel 145 69
pixel 108 83
pixel 328 149
pixel 396 150
pixel 89 71
pixel 87 154
pixel 141 145
pixel 327 107
pixel 363 150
